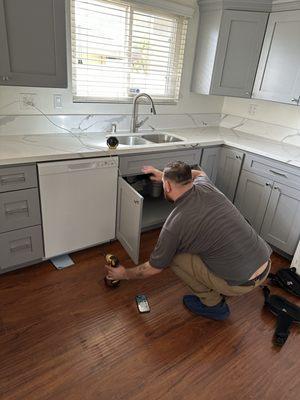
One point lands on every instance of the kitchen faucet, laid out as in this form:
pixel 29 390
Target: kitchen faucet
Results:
pixel 135 125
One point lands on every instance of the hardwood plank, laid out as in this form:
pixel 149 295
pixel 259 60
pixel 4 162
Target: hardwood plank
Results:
pixel 64 335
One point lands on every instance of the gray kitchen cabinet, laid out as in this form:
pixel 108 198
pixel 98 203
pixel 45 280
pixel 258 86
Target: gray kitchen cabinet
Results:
pixel 19 209
pixel 278 74
pixel 16 178
pixel 21 240
pixel 229 168
pixel 138 209
pixel 33 43
pixel 132 165
pixel 20 247
pixel 227 53
pixel 209 162
pixel 281 226
pixel 129 219
pixel 252 198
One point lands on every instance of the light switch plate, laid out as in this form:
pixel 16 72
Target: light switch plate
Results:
pixel 57 101
pixel 252 109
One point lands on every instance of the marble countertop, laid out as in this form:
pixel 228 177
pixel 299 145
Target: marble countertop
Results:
pixel 18 149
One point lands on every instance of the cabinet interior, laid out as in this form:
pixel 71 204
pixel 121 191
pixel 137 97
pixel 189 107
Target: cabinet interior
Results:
pixel 155 207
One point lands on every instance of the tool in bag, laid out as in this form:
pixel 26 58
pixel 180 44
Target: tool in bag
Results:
pixel 286 312
pixel 287 279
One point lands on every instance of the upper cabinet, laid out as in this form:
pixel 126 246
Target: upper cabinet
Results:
pixel 227 53
pixel 33 43
pixel 278 75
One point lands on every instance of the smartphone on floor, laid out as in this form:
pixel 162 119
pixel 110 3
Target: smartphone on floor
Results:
pixel 142 303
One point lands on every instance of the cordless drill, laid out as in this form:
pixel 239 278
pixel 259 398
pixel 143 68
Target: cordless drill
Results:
pixel 114 262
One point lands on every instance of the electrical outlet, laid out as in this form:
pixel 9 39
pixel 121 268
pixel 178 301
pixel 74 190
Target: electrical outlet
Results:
pixel 27 100
pixel 252 109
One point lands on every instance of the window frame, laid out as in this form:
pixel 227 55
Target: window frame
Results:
pixel 138 7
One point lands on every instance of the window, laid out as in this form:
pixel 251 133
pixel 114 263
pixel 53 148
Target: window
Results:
pixel 120 49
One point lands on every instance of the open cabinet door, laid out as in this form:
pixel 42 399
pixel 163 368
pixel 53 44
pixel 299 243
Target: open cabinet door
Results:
pixel 129 220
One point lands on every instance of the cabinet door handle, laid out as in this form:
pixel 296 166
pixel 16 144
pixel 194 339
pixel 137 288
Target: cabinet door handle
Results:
pixel 21 246
pixel 268 184
pixel 6 180
pixel 276 188
pixel 277 173
pixel 17 210
pixel 294 100
pixel 238 157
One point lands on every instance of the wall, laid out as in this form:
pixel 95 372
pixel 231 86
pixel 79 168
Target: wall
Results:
pixel 188 103
pixel 266 111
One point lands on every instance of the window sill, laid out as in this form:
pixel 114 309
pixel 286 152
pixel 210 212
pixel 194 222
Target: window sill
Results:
pixel 125 101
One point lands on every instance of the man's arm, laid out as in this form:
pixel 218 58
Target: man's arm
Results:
pixel 156 173
pixel 196 173
pixel 140 272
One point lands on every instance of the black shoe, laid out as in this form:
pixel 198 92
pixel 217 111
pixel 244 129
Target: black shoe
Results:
pixel 218 312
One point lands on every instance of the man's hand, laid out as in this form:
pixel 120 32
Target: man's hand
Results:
pixel 156 173
pixel 116 273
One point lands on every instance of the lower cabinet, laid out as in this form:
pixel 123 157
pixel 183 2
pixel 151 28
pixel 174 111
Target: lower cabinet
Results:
pixel 272 208
pixel 281 226
pixel 20 247
pixel 209 162
pixel 21 239
pixel 141 204
pixel 252 198
pixel 229 168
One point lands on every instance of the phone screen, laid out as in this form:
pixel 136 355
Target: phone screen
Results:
pixel 142 303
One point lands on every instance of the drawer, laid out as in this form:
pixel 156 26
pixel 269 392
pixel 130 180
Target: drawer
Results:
pixel 274 170
pixel 132 165
pixel 19 209
pixel 20 247
pixel 15 178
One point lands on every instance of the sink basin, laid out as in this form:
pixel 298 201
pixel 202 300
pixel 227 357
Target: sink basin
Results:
pixel 161 138
pixel 131 140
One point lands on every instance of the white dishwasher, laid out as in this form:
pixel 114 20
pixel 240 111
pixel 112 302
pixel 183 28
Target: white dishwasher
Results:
pixel 78 201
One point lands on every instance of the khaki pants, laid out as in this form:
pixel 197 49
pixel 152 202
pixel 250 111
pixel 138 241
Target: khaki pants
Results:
pixel 207 286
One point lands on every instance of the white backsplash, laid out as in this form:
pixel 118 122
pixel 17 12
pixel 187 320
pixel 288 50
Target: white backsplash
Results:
pixel 42 124
pixel 33 124
pixel 274 132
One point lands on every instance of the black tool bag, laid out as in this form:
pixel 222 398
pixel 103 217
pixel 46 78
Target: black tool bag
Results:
pixel 286 312
pixel 287 279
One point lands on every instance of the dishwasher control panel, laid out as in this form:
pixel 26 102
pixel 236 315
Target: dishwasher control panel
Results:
pixel 107 162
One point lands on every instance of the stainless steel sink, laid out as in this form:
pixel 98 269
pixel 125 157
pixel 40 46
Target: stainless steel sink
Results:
pixel 161 138
pixel 131 140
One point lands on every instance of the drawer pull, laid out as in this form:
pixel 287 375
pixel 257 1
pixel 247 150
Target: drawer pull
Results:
pixel 20 247
pixel 6 180
pixel 17 211
pixel 268 184
pixel 277 173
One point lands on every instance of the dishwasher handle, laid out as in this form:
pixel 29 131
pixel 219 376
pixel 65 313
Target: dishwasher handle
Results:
pixel 83 166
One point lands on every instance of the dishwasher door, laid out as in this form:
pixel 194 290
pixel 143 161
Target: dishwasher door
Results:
pixel 78 202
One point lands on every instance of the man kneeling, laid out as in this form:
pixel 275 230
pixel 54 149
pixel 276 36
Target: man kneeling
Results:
pixel 206 242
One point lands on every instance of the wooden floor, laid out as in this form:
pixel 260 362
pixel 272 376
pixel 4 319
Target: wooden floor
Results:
pixel 64 335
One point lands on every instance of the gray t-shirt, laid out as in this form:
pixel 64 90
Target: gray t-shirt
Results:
pixel 206 223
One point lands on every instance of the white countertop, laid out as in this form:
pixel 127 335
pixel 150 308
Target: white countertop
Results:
pixel 17 149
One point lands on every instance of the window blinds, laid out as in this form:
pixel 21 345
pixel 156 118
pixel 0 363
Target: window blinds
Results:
pixel 120 49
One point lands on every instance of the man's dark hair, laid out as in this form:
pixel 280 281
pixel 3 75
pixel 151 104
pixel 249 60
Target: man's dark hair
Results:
pixel 178 172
